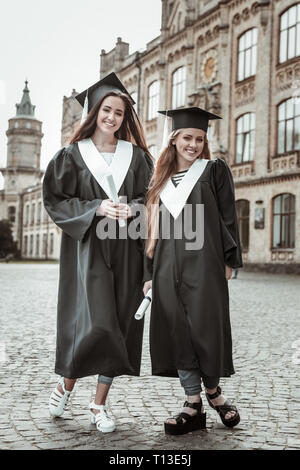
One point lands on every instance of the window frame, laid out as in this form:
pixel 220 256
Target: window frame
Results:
pixel 153 100
pixel 281 215
pixel 252 48
pixel 180 93
pixel 285 120
pixel 241 219
pixel 11 214
pixel 288 28
pixel 249 132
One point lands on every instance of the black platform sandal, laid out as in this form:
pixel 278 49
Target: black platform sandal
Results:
pixel 222 410
pixel 192 423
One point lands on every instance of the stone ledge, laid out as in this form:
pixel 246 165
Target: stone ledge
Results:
pixel 276 268
pixel 287 162
pixel 242 170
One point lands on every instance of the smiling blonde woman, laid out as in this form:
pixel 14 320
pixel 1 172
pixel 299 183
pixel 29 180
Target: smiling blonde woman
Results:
pixel 190 333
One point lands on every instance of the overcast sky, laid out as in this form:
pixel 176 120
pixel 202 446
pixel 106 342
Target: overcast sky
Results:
pixel 56 45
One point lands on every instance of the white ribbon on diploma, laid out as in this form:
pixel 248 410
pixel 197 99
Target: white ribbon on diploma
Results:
pixel 114 195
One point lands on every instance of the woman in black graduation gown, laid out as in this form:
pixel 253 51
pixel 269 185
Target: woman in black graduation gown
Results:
pixel 100 285
pixel 190 333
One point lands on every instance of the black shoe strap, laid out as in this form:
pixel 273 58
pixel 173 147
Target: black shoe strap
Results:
pixel 214 395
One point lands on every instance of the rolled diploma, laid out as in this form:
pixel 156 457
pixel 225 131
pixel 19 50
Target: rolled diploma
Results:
pixel 144 305
pixel 114 195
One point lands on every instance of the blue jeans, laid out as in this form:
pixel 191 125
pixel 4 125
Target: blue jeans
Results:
pixel 191 381
pixel 102 379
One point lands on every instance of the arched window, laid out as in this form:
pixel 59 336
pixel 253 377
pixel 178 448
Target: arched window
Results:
pixel 178 87
pixel 288 126
pixel 153 100
pixel 245 138
pixel 12 214
pixel 283 221
pixel 247 50
pixel 290 34
pixel 242 210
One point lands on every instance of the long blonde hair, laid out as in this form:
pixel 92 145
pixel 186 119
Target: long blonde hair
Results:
pixel 165 167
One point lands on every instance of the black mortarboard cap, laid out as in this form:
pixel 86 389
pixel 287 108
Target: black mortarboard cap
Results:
pixel 194 117
pixel 95 92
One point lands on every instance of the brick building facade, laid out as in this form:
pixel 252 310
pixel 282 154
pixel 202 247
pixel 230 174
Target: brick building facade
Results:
pixel 239 59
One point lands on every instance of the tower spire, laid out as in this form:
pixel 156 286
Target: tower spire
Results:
pixel 25 108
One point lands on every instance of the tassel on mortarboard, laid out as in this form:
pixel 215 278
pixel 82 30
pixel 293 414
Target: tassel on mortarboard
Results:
pixel 85 108
pixel 165 134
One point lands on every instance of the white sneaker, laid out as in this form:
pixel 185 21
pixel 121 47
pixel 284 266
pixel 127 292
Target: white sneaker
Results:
pixel 58 401
pixel 104 423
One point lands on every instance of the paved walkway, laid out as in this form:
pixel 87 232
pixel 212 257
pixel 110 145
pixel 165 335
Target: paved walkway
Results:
pixel 265 321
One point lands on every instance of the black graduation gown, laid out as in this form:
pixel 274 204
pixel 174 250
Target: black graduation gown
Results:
pixel 100 283
pixel 190 324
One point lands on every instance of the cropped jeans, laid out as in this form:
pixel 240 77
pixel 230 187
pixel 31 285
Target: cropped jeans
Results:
pixel 191 381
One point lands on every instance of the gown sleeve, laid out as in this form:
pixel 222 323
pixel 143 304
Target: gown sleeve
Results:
pixel 142 180
pixel 69 212
pixel 224 191
pixel 148 268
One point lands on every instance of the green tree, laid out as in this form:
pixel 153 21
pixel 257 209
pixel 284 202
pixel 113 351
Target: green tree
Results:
pixel 7 244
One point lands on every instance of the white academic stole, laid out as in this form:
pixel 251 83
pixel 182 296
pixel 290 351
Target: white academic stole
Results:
pixel 175 197
pixel 100 169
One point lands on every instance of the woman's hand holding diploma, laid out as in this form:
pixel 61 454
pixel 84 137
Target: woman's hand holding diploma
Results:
pixel 139 314
pixel 147 286
pixel 110 209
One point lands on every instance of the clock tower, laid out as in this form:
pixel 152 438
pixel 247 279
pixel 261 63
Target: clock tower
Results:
pixel 22 169
pixel 23 148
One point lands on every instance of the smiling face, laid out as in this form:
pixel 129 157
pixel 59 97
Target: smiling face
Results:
pixel 111 115
pixel 189 144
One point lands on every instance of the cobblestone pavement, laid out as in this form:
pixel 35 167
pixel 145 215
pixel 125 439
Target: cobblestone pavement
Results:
pixel 265 323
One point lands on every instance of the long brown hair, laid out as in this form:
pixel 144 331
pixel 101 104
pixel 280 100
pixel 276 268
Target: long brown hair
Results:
pixel 130 130
pixel 166 166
